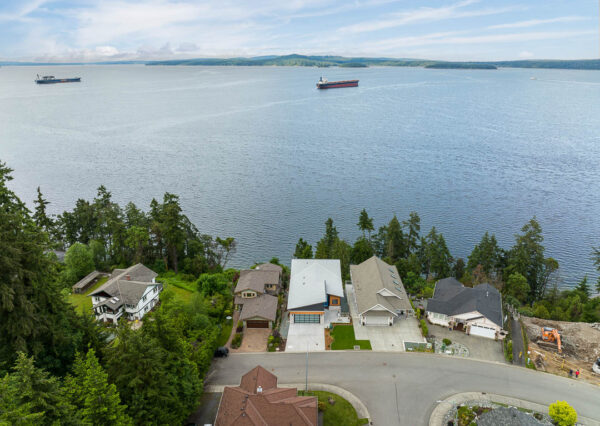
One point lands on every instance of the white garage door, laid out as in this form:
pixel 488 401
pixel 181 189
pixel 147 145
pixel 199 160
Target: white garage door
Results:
pixel 376 320
pixel 477 330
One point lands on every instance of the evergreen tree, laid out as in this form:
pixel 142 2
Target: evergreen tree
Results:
pixel 361 251
pixel 517 287
pixel 395 246
pixel 584 288
pixel 325 244
pixel 365 223
pixel 437 255
pixel 97 401
pixel 458 270
pixel 414 228
pixel 303 250
pixel 487 254
pixel 40 216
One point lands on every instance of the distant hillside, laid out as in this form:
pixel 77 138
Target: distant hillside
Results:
pixel 340 61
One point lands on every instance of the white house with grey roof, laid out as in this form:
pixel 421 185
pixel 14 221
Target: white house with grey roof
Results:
pixel 380 295
pixel 130 292
pixel 477 310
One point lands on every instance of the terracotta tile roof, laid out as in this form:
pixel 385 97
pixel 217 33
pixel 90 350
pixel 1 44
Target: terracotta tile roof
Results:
pixel 243 405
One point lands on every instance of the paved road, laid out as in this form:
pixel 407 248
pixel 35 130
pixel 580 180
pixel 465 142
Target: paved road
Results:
pixel 518 345
pixel 402 388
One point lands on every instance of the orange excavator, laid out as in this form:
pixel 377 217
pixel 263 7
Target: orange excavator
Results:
pixel 551 335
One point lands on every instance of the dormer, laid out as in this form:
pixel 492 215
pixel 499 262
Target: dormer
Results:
pixel 248 294
pixel 387 293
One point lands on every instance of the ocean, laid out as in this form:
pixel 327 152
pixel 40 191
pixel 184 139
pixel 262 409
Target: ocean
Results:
pixel 259 154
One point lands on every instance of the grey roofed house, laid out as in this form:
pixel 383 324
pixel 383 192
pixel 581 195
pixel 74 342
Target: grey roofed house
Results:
pixel 128 286
pixel 377 284
pixel 264 307
pixel 269 267
pixel 85 282
pixel 255 280
pixel 452 298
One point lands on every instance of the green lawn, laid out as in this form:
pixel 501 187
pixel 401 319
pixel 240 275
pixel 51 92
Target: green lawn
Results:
pixel 225 333
pixel 180 293
pixel 82 302
pixel 340 413
pixel 343 338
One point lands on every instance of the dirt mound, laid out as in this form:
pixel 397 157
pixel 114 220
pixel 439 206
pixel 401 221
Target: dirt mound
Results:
pixel 580 340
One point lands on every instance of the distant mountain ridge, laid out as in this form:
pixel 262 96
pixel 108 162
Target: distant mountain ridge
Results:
pixel 341 61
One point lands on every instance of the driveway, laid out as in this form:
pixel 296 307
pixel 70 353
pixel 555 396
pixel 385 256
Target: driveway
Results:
pixel 383 337
pixel 303 337
pixel 254 340
pixel 479 347
pixel 402 388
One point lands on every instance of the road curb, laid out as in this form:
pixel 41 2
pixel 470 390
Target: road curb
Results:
pixel 439 412
pixel 361 409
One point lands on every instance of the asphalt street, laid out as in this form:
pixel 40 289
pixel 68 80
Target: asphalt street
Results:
pixel 402 388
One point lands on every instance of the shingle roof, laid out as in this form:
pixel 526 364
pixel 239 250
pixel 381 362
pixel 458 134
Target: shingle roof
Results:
pixel 129 285
pixel 86 280
pixel 452 299
pixel 251 279
pixel 243 405
pixel 312 280
pixel 372 278
pixel 263 306
pixel 269 267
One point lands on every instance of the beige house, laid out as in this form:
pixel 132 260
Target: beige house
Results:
pixel 256 295
pixel 380 295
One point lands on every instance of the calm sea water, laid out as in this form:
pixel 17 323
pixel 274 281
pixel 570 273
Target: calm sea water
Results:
pixel 261 155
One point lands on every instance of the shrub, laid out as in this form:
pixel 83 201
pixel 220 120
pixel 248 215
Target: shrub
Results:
pixel 465 415
pixel 322 406
pixel 508 352
pixel 270 339
pixel 424 328
pixel 276 334
pixel 447 342
pixel 562 413
pixel 237 340
pixel 418 313
pixel 240 326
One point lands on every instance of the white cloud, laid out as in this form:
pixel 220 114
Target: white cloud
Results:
pixel 534 22
pixel 423 14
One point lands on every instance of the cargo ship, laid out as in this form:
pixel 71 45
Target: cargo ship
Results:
pixel 50 79
pixel 324 84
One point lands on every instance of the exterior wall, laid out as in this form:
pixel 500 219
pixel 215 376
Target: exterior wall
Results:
pixel 469 318
pixel 130 312
pixel 439 319
pixel 363 319
pixel 334 300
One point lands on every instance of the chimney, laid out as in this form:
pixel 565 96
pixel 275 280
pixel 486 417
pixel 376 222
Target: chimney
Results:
pixel 259 389
pixel 128 277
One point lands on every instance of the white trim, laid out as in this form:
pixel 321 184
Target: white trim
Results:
pixel 381 306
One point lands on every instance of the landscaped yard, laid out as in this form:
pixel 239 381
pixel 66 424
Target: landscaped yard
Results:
pixel 340 413
pixel 180 293
pixel 82 302
pixel 343 338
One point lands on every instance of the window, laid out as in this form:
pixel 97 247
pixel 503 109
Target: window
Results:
pixel 335 302
pixel 155 289
pixel 307 318
pixel 248 294
pixel 144 299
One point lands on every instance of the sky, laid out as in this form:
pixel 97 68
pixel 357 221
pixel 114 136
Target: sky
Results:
pixel 107 30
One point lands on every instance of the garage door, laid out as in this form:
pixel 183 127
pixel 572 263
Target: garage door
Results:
pixel 477 330
pixel 377 320
pixel 257 324
pixel 307 318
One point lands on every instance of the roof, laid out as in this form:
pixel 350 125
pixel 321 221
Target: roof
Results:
pixel 128 286
pixel 85 281
pixel 245 405
pixel 251 279
pixel 269 267
pixel 263 306
pixel 452 299
pixel 312 280
pixel 378 283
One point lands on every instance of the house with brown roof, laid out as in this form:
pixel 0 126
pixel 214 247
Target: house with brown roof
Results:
pixel 258 401
pixel 256 295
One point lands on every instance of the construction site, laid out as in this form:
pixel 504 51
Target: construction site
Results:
pixel 561 347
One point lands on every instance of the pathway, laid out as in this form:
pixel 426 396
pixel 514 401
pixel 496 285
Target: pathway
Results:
pixel 519 354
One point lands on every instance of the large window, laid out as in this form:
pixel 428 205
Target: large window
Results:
pixel 307 318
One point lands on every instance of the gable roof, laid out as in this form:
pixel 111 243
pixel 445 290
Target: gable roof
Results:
pixel 377 283
pixel 82 283
pixel 263 306
pixel 251 279
pixel 312 280
pixel 269 267
pixel 243 405
pixel 452 299
pixel 128 286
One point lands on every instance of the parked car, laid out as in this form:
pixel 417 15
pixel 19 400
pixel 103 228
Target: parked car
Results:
pixel 221 351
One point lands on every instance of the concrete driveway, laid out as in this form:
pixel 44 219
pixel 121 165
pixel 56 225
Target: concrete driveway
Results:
pixel 384 337
pixel 479 347
pixel 402 388
pixel 254 340
pixel 303 337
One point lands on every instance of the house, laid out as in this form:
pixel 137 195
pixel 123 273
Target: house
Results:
pixel 315 288
pixel 380 295
pixel 83 284
pixel 130 292
pixel 256 296
pixel 477 310
pixel 258 401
